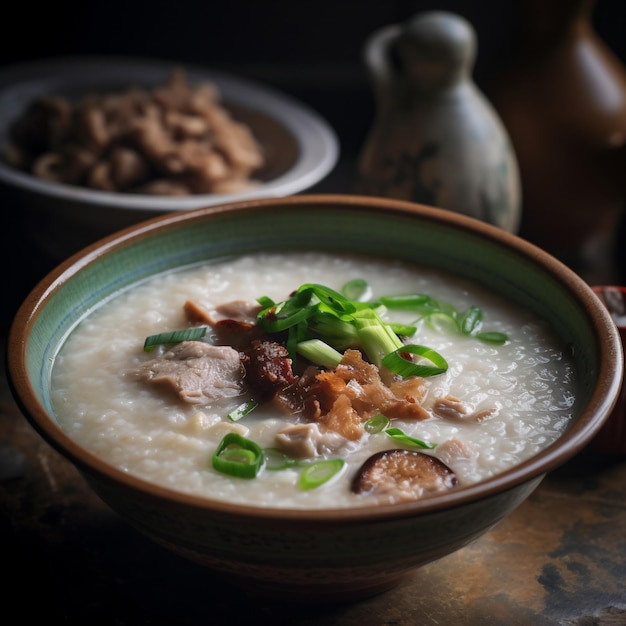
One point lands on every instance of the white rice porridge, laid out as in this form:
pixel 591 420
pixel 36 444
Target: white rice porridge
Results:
pixel 529 381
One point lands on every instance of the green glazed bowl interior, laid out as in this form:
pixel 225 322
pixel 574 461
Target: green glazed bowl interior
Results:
pixel 462 246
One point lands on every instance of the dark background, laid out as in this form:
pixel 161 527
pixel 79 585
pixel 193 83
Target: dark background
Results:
pixel 311 50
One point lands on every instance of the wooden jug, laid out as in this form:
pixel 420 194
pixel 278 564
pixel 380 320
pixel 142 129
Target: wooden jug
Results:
pixel 436 139
pixel 562 98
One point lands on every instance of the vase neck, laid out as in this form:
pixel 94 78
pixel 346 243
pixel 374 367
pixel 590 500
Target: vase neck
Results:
pixel 548 22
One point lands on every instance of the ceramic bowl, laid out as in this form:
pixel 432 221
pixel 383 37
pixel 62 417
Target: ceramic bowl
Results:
pixel 300 146
pixel 322 554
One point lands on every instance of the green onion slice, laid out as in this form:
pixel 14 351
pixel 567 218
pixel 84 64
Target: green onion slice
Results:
pixel 356 289
pixel 443 322
pixel 237 456
pixel 315 315
pixel 242 410
pixel 320 353
pixel 495 338
pixel 376 424
pixel 402 330
pixel 175 336
pixel 401 437
pixel 266 302
pixel 399 365
pixel 418 301
pixel 277 320
pixel 329 297
pixel 276 459
pixel 319 472
pixel 471 320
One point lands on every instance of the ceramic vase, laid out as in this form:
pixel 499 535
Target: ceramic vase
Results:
pixel 562 97
pixel 436 139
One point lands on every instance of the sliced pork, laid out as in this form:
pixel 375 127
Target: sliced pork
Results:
pixel 305 441
pixel 237 311
pixel 233 323
pixel 198 372
pixel 451 408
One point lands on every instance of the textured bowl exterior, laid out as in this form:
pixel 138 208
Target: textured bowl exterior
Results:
pixel 335 552
pixel 304 558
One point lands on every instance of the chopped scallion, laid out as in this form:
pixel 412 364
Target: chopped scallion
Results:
pixel 443 322
pixel 471 321
pixel 275 321
pixel 276 459
pixel 401 437
pixel 376 424
pixel 356 289
pixel 237 456
pixel 319 472
pixel 320 353
pixel 321 323
pixel 402 330
pixel 443 316
pixel 175 336
pixel 414 302
pixel 242 410
pixel 396 363
pixel 495 338
pixel 378 341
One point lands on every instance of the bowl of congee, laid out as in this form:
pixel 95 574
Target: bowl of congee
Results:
pixel 313 396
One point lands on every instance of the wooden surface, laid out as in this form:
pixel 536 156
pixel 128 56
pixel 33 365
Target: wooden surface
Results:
pixel 559 559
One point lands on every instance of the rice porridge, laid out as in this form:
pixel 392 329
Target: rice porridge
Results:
pixel 503 403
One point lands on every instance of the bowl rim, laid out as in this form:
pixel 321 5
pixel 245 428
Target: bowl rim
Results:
pixel 317 141
pixel 572 441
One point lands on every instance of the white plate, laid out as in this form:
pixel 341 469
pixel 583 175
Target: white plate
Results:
pixel 317 144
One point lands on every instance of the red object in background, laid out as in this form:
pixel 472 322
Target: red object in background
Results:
pixel 612 438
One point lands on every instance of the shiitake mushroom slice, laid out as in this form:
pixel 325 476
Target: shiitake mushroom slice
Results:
pixel 403 475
